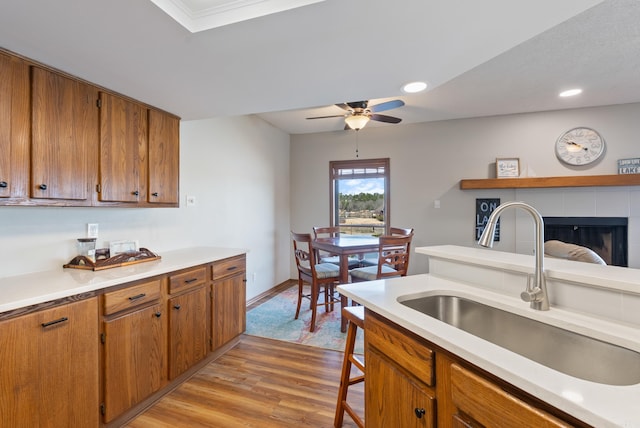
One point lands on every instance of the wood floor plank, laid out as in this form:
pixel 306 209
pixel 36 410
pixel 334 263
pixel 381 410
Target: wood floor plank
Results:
pixel 261 383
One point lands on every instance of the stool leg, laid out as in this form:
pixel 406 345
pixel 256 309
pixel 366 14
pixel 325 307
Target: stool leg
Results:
pixel 346 372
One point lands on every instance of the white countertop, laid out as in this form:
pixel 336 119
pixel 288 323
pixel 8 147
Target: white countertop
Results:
pixel 39 287
pixel 610 277
pixel 596 404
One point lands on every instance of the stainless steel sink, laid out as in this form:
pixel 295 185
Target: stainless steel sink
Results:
pixel 562 350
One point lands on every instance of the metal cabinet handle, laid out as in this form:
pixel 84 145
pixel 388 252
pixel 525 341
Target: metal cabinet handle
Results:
pixel 137 296
pixel 158 314
pixel 58 321
pixel 42 187
pixel 135 193
pixel 176 306
pixel 154 194
pixel 3 184
pixel 419 412
pixel 232 268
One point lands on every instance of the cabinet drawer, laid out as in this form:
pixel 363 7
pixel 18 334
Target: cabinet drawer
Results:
pixel 188 279
pixel 490 405
pixel 227 267
pixel 130 297
pixel 400 346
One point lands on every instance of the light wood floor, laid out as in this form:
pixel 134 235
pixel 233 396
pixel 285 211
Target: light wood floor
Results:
pixel 259 383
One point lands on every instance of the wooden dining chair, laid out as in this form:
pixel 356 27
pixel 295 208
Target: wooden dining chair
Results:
pixel 322 277
pixel 371 259
pixel 394 253
pixel 324 257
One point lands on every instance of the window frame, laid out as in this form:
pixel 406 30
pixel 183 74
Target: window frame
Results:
pixel 335 166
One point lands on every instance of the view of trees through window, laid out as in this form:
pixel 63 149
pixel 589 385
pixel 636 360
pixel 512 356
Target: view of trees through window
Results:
pixel 360 196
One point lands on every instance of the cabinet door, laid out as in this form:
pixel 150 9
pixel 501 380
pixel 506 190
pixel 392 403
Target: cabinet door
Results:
pixel 394 399
pixel 135 362
pixel 65 137
pixel 50 370
pixel 123 150
pixel 14 128
pixel 228 309
pixel 484 403
pixel 188 341
pixel 164 158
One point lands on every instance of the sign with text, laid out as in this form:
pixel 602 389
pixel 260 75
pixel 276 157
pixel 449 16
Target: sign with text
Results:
pixel 629 166
pixel 484 208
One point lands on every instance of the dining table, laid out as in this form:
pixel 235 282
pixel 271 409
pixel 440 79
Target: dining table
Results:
pixel 344 246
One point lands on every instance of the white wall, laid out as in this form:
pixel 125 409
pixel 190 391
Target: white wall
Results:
pixel 238 170
pixel 429 159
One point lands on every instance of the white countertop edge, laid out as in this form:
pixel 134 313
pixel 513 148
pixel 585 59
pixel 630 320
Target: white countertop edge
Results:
pixel 39 287
pixel 601 405
pixel 610 277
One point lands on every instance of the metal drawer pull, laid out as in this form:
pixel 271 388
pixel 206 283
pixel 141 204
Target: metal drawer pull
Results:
pixel 136 297
pixel 232 268
pixel 50 323
pixel 3 184
pixel 177 307
pixel 419 412
pixel 189 281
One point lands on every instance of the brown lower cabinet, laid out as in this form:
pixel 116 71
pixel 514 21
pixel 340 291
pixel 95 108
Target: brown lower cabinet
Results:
pixel 188 330
pixel 228 300
pixel 414 383
pixel 49 375
pixel 135 358
pixel 99 361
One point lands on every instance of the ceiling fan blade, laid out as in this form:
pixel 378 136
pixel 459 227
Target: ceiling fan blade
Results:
pixel 385 118
pixel 343 106
pixel 326 117
pixel 388 105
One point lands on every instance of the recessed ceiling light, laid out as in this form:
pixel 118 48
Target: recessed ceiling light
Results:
pixel 414 87
pixel 570 92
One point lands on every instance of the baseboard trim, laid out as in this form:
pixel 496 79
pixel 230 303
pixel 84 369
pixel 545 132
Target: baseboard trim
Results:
pixel 260 298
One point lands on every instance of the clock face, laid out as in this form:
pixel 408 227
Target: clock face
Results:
pixel 580 146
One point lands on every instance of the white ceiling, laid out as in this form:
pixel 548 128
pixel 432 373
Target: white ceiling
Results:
pixel 479 58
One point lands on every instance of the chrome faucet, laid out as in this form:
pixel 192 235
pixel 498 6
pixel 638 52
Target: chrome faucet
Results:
pixel 535 293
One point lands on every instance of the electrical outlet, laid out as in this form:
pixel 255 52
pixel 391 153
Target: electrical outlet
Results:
pixel 92 230
pixel 191 201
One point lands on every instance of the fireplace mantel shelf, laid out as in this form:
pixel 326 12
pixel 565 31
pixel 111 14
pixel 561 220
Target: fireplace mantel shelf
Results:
pixel 541 182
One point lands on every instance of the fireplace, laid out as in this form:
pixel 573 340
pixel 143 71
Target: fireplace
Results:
pixel 607 236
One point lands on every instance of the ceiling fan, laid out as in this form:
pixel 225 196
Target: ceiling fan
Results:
pixel 360 112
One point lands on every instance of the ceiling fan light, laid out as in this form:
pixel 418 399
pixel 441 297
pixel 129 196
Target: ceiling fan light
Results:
pixel 356 122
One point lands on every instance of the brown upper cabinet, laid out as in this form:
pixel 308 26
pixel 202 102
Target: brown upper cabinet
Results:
pixel 123 150
pixel 64 137
pixel 67 142
pixel 164 158
pixel 14 128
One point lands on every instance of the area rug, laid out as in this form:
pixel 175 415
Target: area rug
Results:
pixel 274 319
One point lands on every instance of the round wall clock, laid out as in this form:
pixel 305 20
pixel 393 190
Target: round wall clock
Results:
pixel 580 146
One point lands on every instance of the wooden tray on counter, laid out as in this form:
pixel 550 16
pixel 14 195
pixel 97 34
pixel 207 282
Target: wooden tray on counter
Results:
pixel 124 259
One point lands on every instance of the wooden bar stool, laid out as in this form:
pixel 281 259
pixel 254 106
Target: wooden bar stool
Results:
pixel 355 316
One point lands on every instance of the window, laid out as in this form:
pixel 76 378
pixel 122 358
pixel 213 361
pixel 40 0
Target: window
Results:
pixel 360 196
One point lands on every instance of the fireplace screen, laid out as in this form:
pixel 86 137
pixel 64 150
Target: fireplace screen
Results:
pixel 607 236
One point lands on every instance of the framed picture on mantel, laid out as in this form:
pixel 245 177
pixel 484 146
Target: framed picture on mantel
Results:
pixel 507 167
